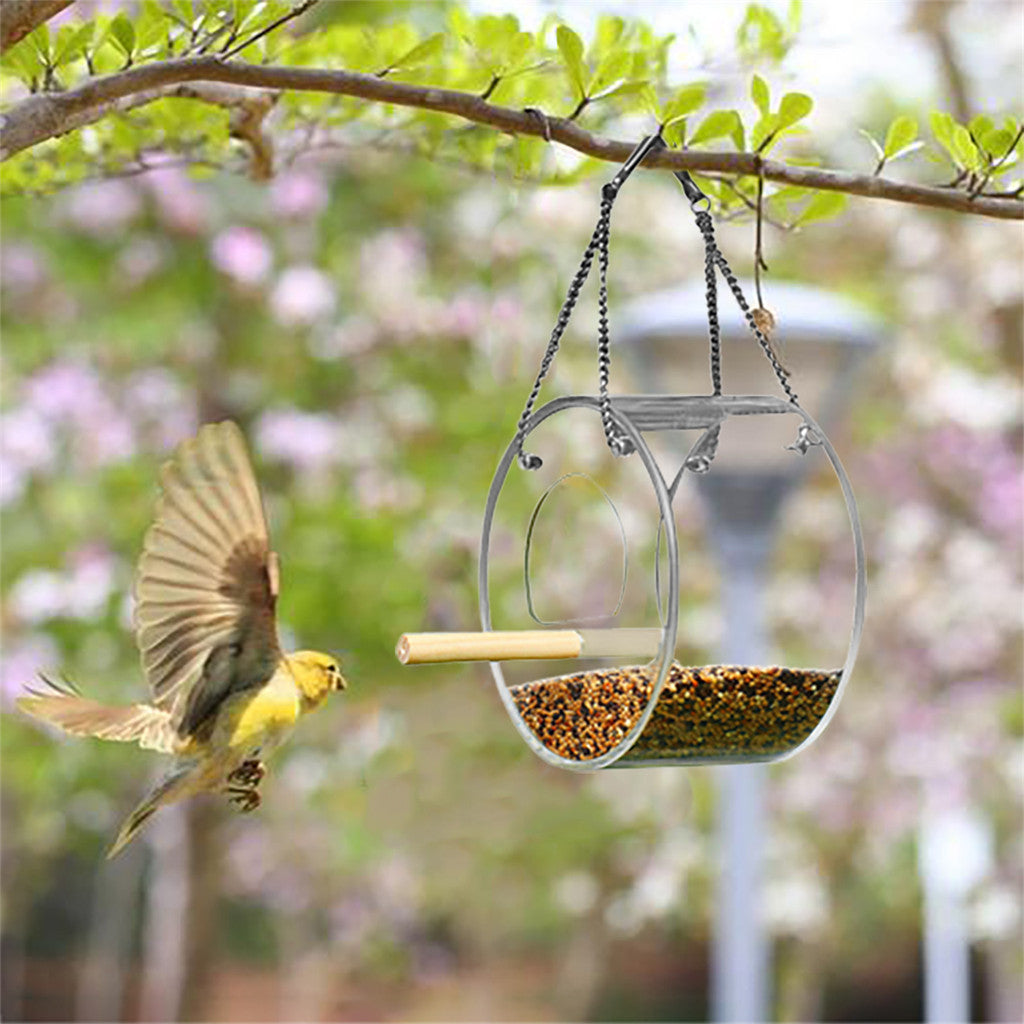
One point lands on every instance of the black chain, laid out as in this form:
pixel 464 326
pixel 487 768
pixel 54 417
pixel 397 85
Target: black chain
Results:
pixel 699 203
pixel 617 441
pixel 527 461
pixel 714 334
pixel 766 345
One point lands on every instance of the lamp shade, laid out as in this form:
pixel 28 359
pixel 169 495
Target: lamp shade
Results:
pixel 820 338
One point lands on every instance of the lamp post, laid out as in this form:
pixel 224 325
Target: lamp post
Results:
pixel 664 344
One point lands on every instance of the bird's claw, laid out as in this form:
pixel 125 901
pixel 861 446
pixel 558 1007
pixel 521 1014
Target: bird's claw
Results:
pixel 248 774
pixel 244 799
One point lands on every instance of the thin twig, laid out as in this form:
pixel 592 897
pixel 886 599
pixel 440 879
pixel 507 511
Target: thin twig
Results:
pixel 273 26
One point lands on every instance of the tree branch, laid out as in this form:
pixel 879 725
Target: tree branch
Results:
pixel 48 115
pixel 19 17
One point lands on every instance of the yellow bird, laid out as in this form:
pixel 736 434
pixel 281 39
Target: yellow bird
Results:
pixel 224 694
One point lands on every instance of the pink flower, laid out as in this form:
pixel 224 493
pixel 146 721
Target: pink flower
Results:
pixel 61 390
pixel 302 296
pixel 102 208
pixel 22 662
pixel 23 268
pixel 307 441
pixel 181 205
pixel 243 254
pixel 298 194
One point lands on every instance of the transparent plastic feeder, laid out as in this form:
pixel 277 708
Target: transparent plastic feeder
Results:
pixel 640 707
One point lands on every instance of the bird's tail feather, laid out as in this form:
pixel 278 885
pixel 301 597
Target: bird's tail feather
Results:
pixel 60 704
pixel 173 786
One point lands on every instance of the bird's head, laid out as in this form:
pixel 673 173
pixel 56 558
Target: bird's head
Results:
pixel 316 675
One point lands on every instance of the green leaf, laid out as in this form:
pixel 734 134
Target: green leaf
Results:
pixel 422 52
pixel 795 106
pixel 997 141
pixel 122 31
pixel 763 132
pixel 674 133
pixel 39 39
pixel 964 149
pixel 688 99
pixel 612 68
pixel 942 126
pixel 794 16
pixel 821 206
pixel 72 41
pixel 624 89
pixel 901 134
pixel 717 125
pixel 23 62
pixel 650 102
pixel 759 94
pixel 980 125
pixel 609 31
pixel 570 46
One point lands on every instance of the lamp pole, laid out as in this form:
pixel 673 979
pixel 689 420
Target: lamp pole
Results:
pixel 743 513
pixel 664 344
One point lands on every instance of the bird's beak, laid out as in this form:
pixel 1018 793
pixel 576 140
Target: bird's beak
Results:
pixel 340 682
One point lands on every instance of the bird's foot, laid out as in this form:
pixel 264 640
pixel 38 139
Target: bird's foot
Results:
pixel 248 774
pixel 244 798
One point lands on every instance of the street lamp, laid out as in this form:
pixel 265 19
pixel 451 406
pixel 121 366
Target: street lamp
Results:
pixel 663 339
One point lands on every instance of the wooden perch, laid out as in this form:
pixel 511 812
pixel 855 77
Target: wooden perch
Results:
pixel 527 645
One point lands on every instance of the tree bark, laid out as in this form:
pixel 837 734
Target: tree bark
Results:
pixel 19 17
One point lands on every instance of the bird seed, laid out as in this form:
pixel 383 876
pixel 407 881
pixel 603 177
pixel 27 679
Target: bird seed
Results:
pixel 714 713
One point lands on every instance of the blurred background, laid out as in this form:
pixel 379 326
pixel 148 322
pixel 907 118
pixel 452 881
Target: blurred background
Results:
pixel 374 320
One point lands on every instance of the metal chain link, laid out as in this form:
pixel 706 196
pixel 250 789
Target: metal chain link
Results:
pixel 598 245
pixel 714 333
pixel 618 442
pixel 766 345
pixel 526 460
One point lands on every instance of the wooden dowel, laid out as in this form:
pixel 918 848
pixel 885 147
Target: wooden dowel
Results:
pixel 526 645
pixel 519 645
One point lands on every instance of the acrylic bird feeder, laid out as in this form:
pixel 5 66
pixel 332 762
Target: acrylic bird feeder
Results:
pixel 627 701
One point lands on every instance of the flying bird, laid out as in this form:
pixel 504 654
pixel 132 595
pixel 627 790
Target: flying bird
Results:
pixel 224 694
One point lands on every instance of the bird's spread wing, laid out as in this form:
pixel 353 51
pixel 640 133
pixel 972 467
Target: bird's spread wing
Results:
pixel 207 581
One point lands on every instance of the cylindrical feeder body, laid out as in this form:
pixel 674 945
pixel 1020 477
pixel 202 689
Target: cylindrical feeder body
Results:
pixel 631 711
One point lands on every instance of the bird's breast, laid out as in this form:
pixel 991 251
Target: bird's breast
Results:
pixel 261 718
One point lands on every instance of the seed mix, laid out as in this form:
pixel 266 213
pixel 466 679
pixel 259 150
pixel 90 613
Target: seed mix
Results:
pixel 717 712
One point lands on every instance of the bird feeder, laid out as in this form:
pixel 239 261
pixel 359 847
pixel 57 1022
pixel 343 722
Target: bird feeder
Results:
pixel 627 701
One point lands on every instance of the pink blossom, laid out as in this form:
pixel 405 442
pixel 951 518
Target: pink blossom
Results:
pixel 243 254
pixel 23 268
pixel 139 261
pixel 22 663
pixel 298 194
pixel 91 580
pixel 301 296
pixel 307 441
pixel 37 596
pixel 182 207
pixel 71 394
pixel 81 590
pixel 61 390
pixel 102 208
pixel 161 407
